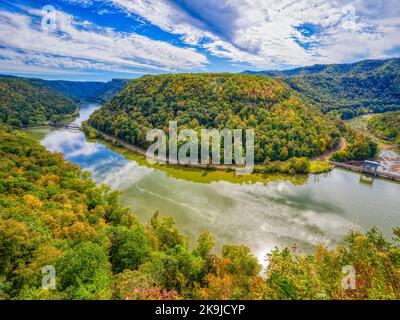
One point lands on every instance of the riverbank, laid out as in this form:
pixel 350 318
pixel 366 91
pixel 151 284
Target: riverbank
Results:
pixel 389 154
pixel 200 175
pixel 291 166
pixel 66 120
pixel 359 168
pixel 318 165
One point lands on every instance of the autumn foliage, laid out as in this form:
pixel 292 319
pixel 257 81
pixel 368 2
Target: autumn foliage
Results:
pixel 52 213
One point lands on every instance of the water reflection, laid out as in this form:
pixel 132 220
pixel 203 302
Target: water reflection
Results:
pixel 258 215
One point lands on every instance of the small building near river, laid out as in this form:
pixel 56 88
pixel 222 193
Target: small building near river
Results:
pixel 370 167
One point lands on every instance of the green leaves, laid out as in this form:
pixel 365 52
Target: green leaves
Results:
pixel 286 124
pixel 84 272
pixel 129 248
pixel 24 103
pixel 386 126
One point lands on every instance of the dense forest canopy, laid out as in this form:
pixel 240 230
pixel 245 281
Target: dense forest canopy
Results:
pixel 23 103
pixel 386 126
pixel 348 90
pixel 53 214
pixel 286 124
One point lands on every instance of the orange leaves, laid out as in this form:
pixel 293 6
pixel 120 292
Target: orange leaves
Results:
pixel 32 201
pixel 232 101
pixel 219 287
pixel 234 276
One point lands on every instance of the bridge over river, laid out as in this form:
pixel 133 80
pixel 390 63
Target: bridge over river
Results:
pixel 55 125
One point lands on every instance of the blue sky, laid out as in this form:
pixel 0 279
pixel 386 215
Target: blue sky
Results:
pixel 100 40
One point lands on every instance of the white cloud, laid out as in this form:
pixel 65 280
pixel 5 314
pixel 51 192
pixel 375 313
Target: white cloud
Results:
pixel 81 45
pixel 263 33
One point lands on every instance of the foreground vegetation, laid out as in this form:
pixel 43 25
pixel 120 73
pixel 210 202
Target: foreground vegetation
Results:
pixel 52 213
pixel 386 126
pixel 24 103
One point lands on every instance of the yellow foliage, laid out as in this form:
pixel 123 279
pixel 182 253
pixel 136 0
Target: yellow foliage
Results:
pixel 49 180
pixel 44 255
pixel 32 201
pixel 81 230
pixel 66 218
pixel 16 230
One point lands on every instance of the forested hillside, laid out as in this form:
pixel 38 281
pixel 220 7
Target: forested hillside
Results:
pixel 286 124
pixel 80 90
pixel 52 213
pixel 109 90
pixel 24 103
pixel 85 91
pixel 386 126
pixel 348 90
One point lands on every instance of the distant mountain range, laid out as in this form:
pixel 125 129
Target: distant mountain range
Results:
pixel 80 90
pixel 347 90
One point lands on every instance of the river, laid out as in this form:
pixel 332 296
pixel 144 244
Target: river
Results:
pixel 315 209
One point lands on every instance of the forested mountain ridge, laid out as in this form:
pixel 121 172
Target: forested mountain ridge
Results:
pixel 286 124
pixel 25 103
pixel 356 68
pixel 84 91
pixel 80 90
pixel 347 90
pixel 109 90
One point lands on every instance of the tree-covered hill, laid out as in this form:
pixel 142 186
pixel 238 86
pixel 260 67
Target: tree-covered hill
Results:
pixel 53 214
pixel 386 126
pixel 348 90
pixel 286 124
pixel 80 90
pixel 110 88
pixel 24 103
